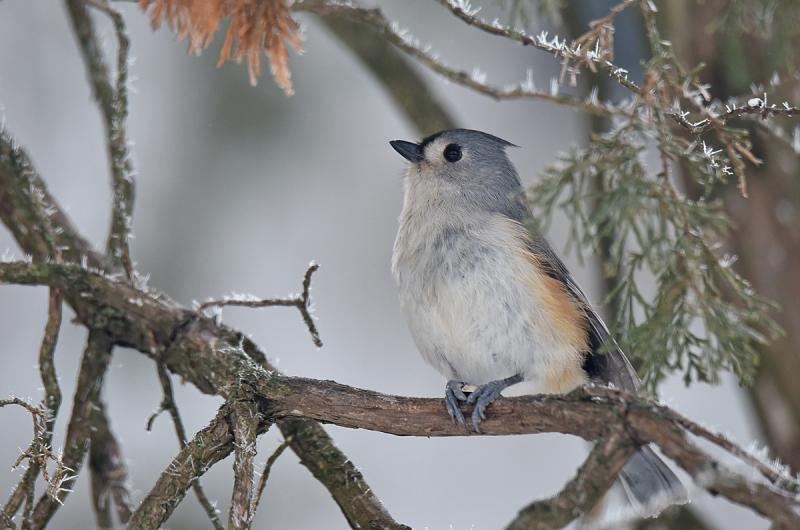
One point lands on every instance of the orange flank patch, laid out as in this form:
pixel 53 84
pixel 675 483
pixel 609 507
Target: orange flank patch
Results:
pixel 566 318
pixel 569 325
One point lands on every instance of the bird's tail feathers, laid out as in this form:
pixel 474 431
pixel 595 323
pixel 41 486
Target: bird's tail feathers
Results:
pixel 651 485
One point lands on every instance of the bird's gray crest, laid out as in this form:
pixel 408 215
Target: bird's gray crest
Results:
pixel 467 136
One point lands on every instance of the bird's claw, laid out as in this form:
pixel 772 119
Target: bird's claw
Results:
pixel 453 394
pixel 485 395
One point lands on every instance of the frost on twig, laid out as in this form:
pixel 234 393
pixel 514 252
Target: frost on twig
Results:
pixel 302 302
pixel 112 99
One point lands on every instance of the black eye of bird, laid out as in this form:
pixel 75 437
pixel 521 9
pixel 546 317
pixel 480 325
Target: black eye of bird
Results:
pixel 452 153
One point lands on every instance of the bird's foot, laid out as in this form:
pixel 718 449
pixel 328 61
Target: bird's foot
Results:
pixel 485 394
pixel 453 393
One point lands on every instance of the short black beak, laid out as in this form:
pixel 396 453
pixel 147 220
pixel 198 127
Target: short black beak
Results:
pixel 408 150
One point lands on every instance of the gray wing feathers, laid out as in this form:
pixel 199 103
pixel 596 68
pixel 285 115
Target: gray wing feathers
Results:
pixel 650 484
pixel 605 362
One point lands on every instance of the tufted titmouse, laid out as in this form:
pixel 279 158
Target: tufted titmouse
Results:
pixel 488 304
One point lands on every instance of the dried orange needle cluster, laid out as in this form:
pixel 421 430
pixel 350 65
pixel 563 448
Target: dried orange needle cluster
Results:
pixel 253 26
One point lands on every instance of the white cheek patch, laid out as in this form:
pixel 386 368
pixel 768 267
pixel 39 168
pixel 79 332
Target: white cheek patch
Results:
pixel 434 154
pixel 434 150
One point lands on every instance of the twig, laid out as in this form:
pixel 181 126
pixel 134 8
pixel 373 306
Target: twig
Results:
pixel 168 404
pixel 334 470
pixel 301 302
pixel 559 48
pixel 262 482
pixel 51 403
pixel 244 420
pixel 113 103
pixel 38 454
pixel 782 480
pixel 374 19
pixel 755 107
pixel 109 473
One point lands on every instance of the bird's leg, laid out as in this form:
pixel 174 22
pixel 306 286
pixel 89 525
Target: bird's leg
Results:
pixel 485 394
pixel 452 395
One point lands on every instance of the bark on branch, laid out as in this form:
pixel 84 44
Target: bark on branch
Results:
pixel 42 230
pixel 590 413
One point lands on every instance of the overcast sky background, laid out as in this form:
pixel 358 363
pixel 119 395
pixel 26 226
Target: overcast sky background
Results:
pixel 239 188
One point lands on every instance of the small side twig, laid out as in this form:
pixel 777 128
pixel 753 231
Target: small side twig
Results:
pixel 38 454
pixel 302 302
pixel 262 482
pixel 168 404
pixel 51 403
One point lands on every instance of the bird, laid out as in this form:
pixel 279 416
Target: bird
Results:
pixel 489 303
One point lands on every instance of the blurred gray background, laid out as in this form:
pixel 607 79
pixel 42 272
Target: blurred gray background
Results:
pixel 238 189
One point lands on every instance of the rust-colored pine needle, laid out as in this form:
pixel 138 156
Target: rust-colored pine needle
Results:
pixel 253 26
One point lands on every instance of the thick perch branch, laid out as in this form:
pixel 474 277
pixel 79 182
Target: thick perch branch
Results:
pixel 590 413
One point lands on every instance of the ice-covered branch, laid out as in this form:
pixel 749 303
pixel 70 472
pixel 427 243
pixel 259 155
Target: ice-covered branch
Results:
pixel 301 301
pixel 374 19
pixel 590 50
pixel 112 98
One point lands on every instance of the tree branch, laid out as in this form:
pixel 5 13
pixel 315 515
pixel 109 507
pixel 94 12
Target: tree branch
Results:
pixel 168 403
pixel 302 302
pixel 183 335
pixel 338 474
pixel 582 493
pixel 108 470
pixel 589 413
pixel 569 54
pixel 32 215
pixel 51 403
pixel 374 19
pixel 113 103
pixel 209 446
pixel 244 422
pixel 95 361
